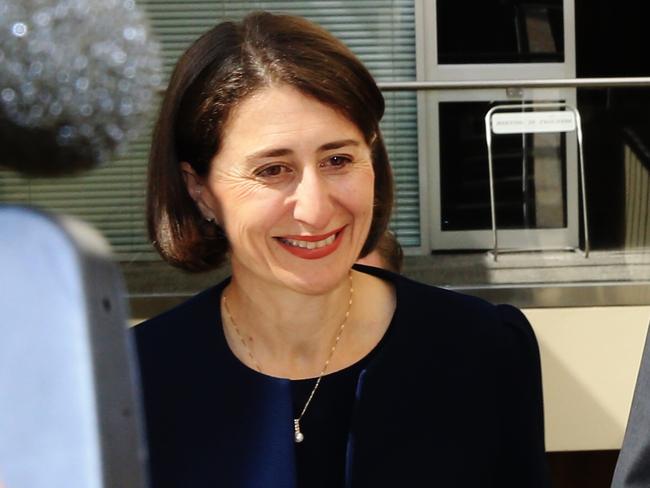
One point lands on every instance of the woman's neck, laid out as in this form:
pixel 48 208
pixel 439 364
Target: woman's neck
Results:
pixel 288 333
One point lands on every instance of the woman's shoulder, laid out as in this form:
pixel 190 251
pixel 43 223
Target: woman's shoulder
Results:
pixel 474 321
pixel 437 311
pixel 169 343
pixel 191 312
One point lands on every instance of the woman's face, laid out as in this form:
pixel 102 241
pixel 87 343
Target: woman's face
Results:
pixel 293 187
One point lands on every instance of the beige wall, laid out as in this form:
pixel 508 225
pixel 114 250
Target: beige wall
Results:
pixel 590 359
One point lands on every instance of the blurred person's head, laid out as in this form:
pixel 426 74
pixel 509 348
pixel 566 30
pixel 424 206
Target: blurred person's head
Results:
pixel 387 254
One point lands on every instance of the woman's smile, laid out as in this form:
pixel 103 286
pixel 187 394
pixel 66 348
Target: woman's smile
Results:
pixel 312 247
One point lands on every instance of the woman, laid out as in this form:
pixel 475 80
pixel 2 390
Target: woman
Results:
pixel 302 370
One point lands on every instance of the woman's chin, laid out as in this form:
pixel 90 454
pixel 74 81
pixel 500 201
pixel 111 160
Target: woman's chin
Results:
pixel 310 283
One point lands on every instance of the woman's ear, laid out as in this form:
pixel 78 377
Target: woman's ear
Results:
pixel 196 190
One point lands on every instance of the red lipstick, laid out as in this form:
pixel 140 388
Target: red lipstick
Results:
pixel 316 253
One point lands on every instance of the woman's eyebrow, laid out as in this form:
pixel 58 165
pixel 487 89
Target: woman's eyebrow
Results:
pixel 282 151
pixel 269 153
pixel 338 144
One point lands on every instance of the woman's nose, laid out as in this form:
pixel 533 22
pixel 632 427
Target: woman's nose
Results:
pixel 313 204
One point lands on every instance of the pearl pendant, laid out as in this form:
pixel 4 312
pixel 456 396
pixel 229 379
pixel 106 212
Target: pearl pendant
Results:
pixel 297 435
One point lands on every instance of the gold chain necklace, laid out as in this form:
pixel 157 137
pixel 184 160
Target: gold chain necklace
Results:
pixel 297 434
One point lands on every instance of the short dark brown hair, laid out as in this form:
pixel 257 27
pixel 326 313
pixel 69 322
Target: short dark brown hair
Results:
pixel 223 67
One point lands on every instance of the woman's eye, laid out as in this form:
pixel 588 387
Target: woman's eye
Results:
pixel 271 171
pixel 338 161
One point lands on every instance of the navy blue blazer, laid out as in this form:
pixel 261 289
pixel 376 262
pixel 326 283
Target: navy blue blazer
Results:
pixel 452 399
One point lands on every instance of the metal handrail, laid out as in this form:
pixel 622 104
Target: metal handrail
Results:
pixel 537 83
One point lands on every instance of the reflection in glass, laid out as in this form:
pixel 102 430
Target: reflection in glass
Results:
pixel 500 31
pixel 636 161
pixel 616 130
pixel 529 172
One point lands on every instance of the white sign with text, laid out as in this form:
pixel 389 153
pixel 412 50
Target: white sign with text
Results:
pixel 530 122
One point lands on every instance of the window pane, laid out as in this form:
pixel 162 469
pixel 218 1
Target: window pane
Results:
pixel 617 155
pixel 529 174
pixel 492 31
